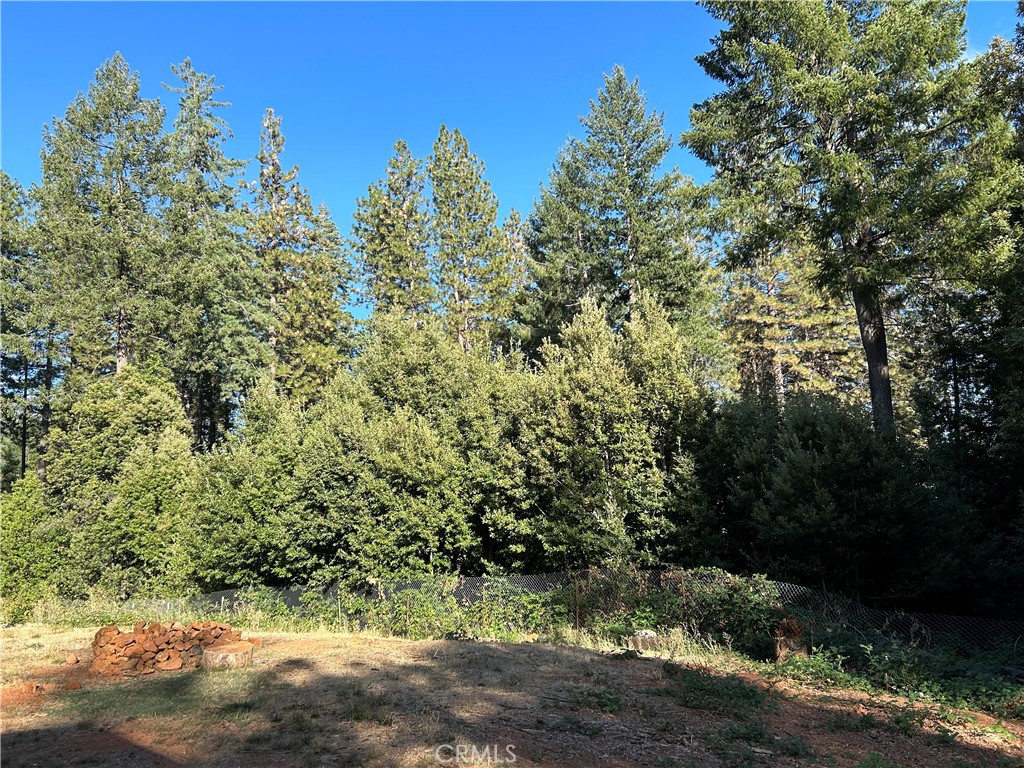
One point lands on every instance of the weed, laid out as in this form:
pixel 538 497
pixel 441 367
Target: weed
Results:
pixel 944 735
pixel 602 700
pixel 997 729
pixel 794 746
pixel 847 722
pixel 725 694
pixel 909 720
pixel 753 731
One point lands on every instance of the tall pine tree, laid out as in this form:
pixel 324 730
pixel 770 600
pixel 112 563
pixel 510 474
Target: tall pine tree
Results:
pixel 786 335
pixel 475 268
pixel 104 164
pixel 19 337
pixel 213 341
pixel 298 251
pixel 389 238
pixel 610 222
pixel 856 127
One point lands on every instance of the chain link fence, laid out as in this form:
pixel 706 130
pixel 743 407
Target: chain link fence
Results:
pixel 698 599
pixel 607 592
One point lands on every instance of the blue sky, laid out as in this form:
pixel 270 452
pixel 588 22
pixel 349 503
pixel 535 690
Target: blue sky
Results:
pixel 350 79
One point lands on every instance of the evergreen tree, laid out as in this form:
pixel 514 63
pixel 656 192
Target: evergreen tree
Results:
pixel 610 224
pixel 675 402
pixel 590 454
pixel 474 268
pixel 474 404
pixel 19 337
pixel 104 164
pixel 386 495
pixel 389 238
pixel 213 341
pixel 787 335
pixel 242 497
pixel 31 545
pixel 298 251
pixel 118 475
pixel 855 127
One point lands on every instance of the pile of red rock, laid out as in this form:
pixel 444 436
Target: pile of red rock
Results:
pixel 155 646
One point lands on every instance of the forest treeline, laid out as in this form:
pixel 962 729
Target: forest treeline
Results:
pixel 811 366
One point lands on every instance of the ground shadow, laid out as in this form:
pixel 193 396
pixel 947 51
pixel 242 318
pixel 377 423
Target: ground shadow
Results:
pixel 375 702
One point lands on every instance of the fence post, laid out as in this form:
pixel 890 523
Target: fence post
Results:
pixel 576 603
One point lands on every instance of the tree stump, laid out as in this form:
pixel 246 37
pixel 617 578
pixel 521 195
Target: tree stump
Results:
pixel 230 655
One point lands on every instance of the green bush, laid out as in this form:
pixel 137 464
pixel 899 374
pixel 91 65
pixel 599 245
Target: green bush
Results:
pixel 741 613
pixel 29 545
pixel 939 672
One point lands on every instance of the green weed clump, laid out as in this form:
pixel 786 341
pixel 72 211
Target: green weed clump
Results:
pixel 939 672
pixel 730 611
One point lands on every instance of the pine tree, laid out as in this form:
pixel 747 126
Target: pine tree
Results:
pixel 298 250
pixel 788 336
pixel 855 127
pixel 508 284
pixel 475 268
pixel 98 222
pixel 19 338
pixel 389 238
pixel 609 223
pixel 213 341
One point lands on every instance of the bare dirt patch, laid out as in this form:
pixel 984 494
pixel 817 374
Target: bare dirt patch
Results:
pixel 350 700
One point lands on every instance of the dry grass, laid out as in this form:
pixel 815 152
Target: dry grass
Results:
pixel 26 647
pixel 329 699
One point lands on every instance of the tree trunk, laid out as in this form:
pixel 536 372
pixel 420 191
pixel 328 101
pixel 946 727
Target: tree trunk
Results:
pixel 779 381
pixel 272 337
pixel 872 335
pixel 956 405
pixel 121 342
pixel 231 655
pixel 24 417
pixel 45 410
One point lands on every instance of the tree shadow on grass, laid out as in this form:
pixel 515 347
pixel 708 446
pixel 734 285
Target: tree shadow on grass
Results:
pixel 360 701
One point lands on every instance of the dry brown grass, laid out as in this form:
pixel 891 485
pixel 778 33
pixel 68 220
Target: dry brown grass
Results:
pixel 328 699
pixel 24 648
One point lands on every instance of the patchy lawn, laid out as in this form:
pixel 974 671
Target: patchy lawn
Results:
pixel 354 700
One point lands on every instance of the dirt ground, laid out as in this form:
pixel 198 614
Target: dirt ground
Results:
pixel 352 700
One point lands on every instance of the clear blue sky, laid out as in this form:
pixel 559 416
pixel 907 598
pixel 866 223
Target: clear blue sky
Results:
pixel 350 79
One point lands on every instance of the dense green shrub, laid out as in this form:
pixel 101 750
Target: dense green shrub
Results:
pixel 813 495
pixel 30 547
pixel 938 671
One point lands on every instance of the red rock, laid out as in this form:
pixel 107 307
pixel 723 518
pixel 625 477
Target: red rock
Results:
pixel 72 658
pixel 72 685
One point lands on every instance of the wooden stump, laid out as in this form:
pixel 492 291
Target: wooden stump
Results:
pixel 229 655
